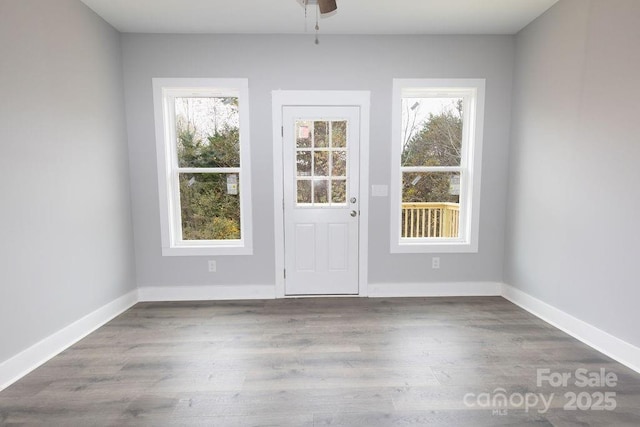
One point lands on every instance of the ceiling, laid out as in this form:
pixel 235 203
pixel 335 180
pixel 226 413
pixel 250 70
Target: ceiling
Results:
pixel 352 16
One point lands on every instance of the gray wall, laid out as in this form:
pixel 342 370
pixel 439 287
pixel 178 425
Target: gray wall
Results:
pixel 294 62
pixel 65 224
pixel 573 230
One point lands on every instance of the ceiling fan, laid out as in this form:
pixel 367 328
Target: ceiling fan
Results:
pixel 324 6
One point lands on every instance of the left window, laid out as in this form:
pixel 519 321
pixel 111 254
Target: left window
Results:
pixel 202 140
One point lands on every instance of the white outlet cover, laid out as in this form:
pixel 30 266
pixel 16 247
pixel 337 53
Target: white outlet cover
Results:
pixel 212 266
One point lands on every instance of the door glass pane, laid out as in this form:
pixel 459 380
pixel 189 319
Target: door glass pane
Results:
pixel 339 134
pixel 321 191
pixel 321 163
pixel 304 129
pixel 304 191
pixel 339 165
pixel 339 191
pixel 430 204
pixel 303 163
pixel 209 206
pixel 321 134
pixel 207 132
pixel 431 131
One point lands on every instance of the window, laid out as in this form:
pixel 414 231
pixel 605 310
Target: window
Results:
pixel 321 163
pixel 203 166
pixel 436 159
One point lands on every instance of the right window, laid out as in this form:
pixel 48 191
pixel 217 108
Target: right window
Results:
pixel 436 160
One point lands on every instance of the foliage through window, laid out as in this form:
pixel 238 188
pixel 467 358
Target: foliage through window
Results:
pixel 205 168
pixel 208 137
pixel 432 138
pixel 436 140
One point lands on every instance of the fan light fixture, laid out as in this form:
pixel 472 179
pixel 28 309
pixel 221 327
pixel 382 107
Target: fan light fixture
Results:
pixel 324 6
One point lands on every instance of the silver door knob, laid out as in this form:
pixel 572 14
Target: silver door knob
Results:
pixel 353 200
pixel 354 213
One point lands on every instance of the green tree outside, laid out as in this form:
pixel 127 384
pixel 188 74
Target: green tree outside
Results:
pixel 437 142
pixel 208 211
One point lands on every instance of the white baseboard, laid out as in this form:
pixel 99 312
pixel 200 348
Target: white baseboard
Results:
pixel 211 292
pixel 26 361
pixel 617 349
pixel 453 289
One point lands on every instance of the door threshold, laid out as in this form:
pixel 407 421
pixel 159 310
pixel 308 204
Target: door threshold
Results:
pixel 324 296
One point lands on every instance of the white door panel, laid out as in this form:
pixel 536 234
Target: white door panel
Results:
pixel 339 244
pixel 321 199
pixel 305 242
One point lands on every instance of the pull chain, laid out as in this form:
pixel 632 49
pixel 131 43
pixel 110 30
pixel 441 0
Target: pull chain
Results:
pixel 317 26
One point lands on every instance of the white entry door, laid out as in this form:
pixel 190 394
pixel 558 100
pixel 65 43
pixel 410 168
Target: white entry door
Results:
pixel 321 147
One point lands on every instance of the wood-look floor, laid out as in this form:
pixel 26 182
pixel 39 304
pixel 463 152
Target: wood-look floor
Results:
pixel 314 362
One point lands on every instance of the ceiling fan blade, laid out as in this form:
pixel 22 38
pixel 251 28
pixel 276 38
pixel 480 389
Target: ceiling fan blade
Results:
pixel 327 6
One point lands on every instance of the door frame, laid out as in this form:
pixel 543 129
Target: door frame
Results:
pixel 325 98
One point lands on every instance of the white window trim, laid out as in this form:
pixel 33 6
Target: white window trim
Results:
pixel 472 163
pixel 169 197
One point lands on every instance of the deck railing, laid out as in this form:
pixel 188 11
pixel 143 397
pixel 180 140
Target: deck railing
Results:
pixel 430 219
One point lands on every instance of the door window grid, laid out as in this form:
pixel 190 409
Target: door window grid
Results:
pixel 321 163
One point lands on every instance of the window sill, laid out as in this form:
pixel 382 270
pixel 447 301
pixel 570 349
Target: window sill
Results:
pixel 206 250
pixel 433 247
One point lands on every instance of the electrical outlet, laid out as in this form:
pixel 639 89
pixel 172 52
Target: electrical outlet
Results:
pixel 435 262
pixel 212 266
